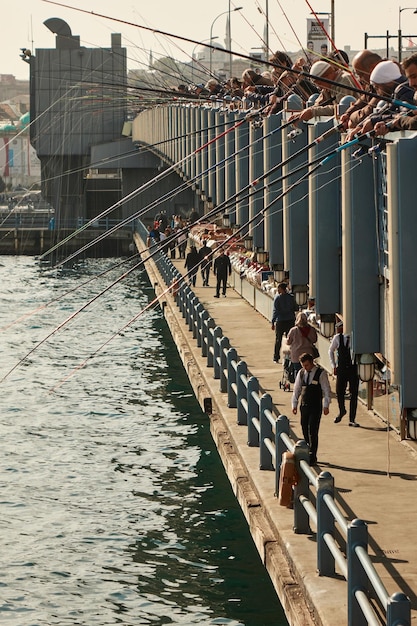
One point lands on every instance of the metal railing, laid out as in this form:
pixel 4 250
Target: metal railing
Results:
pixel 46 221
pixel 344 547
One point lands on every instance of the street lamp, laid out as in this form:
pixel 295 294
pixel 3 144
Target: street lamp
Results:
pixel 229 42
pixel 192 54
pixel 400 36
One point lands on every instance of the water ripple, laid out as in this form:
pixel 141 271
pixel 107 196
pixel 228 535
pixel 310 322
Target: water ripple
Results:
pixel 114 507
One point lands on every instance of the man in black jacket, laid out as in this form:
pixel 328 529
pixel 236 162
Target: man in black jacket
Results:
pixel 283 316
pixel 222 269
pixel 206 256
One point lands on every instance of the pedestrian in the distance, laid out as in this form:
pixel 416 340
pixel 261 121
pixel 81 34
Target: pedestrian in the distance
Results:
pixel 222 270
pixel 300 339
pixel 192 261
pixel 283 316
pixel 206 261
pixel 312 388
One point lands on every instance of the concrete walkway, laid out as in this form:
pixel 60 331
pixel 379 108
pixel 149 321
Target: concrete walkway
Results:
pixel 375 473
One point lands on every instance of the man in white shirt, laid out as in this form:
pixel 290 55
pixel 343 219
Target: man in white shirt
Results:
pixel 312 388
pixel 346 372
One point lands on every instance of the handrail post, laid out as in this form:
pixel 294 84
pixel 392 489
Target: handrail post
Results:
pixel 301 519
pixel 253 410
pixel 188 308
pixel 198 324
pixel 241 371
pixel 210 341
pixel 282 425
pixel 224 346
pixel 231 378
pixel 204 331
pixel 325 525
pixel 399 610
pixel 181 292
pixel 178 278
pixel 193 313
pixel 357 535
pixel 217 335
pixel 265 432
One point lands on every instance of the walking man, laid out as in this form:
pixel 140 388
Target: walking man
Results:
pixel 345 372
pixel 192 262
pixel 205 263
pixel 222 269
pixel 283 316
pixel 312 388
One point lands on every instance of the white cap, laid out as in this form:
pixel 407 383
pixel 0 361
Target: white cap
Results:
pixel 319 68
pixel 385 72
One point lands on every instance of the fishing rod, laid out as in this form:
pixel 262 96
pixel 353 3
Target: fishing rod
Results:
pixel 227 51
pixel 295 34
pixel 152 182
pixel 113 267
pixel 225 203
pixel 259 214
pixel 138 214
pixel 183 277
pixel 332 43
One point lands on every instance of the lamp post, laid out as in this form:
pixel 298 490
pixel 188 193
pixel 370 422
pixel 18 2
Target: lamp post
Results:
pixel 192 54
pixel 400 36
pixel 229 35
pixel 211 37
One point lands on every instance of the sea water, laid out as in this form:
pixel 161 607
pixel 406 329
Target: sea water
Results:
pixel 114 505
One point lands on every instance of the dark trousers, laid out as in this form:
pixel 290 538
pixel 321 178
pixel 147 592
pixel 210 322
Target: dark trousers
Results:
pixel 192 277
pixel 221 284
pixel 280 329
pixel 347 375
pixel 205 273
pixel 310 424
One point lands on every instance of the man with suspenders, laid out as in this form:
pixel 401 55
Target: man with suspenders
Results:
pixel 312 388
pixel 346 372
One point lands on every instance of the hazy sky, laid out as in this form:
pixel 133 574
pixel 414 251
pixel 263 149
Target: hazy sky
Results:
pixel 193 19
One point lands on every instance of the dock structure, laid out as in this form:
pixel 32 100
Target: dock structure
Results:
pixel 342 232
pixel 333 219
pixel 374 472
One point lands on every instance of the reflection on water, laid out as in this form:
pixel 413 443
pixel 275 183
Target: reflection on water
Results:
pixel 114 505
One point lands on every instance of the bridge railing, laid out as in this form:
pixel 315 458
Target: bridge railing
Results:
pixel 340 544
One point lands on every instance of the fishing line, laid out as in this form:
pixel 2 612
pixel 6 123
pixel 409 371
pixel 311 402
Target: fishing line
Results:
pixel 216 209
pixel 150 183
pixel 138 214
pixel 68 292
pixel 291 26
pixel 244 56
pixel 259 215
